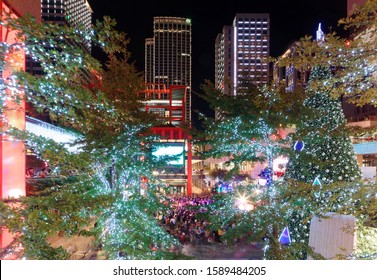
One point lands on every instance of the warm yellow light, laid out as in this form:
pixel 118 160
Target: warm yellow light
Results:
pixel 16 193
pixel 242 200
pixel 243 203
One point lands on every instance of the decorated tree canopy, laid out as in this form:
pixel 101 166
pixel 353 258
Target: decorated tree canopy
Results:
pixel 113 197
pixel 328 153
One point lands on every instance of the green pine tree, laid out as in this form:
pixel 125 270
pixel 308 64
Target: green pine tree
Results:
pixel 328 152
pixel 327 155
pixel 295 201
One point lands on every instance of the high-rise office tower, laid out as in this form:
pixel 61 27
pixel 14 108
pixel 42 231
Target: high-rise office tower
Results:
pixel 168 55
pixel 70 12
pixel 149 57
pixel 241 53
pixel 223 55
pixel 73 13
pixel 64 12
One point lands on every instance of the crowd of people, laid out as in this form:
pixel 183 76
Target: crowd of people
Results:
pixel 182 221
pixel 42 173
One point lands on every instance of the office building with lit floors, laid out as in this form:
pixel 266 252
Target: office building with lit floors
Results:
pixel 168 56
pixel 241 53
pixel 241 59
pixel 72 13
pixel 63 12
pixel 168 104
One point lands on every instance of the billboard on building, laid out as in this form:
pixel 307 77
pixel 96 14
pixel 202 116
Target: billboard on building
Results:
pixel 173 155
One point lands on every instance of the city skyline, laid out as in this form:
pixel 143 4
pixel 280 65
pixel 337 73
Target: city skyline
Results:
pixel 290 20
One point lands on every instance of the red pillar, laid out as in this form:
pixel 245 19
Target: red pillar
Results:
pixel 189 168
pixel 12 152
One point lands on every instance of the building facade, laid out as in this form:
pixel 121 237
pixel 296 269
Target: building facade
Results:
pixel 352 112
pixel 364 116
pixel 223 60
pixel 12 113
pixel 71 12
pixel 64 12
pixel 168 104
pixel 168 55
pixel 241 53
pixel 289 76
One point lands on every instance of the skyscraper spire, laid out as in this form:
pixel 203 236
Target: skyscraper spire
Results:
pixel 320 34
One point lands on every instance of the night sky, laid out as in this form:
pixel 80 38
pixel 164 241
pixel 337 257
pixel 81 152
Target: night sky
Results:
pixel 290 20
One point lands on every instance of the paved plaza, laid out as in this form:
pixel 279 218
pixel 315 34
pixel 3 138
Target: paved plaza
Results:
pixel 224 252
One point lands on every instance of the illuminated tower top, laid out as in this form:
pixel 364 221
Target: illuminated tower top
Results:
pixel 320 34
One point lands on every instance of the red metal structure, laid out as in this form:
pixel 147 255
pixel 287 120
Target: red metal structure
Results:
pixel 169 106
pixel 12 152
pixel 12 164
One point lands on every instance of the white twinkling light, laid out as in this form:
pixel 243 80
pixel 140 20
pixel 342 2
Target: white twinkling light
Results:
pixel 50 131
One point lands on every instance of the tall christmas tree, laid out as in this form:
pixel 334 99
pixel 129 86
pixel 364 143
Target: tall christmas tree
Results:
pixel 328 152
pixel 327 155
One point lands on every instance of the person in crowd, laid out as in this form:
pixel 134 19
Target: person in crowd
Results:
pixel 42 173
pixel 30 172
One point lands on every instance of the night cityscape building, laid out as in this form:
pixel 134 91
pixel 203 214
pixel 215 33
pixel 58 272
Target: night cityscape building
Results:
pixel 241 58
pixel 352 112
pixel 168 55
pixel 64 12
pixel 74 13
pixel 289 76
pixel 70 12
pixel 168 104
pixel 365 116
pixel 241 53
pixel 12 151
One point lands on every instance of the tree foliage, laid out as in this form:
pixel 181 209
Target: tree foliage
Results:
pixel 248 130
pixel 115 196
pixel 328 154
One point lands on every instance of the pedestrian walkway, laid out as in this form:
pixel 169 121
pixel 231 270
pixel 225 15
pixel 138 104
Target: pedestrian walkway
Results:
pixel 198 240
pixel 223 252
